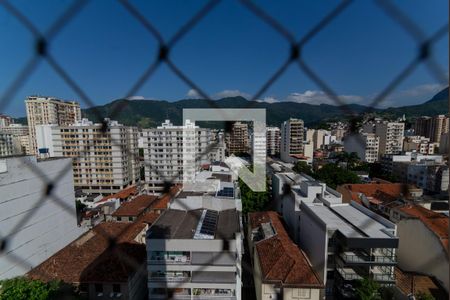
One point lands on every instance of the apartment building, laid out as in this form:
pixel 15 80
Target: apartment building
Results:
pixel 291 189
pixel 391 137
pixel 187 257
pixel 5 120
pixel 281 270
pixel 346 243
pixel 292 136
pixel 366 145
pixel 428 175
pixel 170 151
pixel 50 227
pixel 8 145
pixel 432 127
pixel 21 136
pixel 237 139
pixel 273 139
pixel 389 162
pixel 103 162
pixel 42 110
pixel 420 144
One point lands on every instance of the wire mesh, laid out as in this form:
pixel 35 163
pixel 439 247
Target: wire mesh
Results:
pixel 42 53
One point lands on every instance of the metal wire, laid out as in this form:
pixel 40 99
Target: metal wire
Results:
pixel 42 53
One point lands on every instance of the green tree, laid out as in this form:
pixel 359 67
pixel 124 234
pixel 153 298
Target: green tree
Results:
pixel 21 288
pixel 334 175
pixel 368 290
pixel 351 159
pixel 252 201
pixel 303 167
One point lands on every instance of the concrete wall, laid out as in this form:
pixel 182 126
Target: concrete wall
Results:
pixel 49 228
pixel 421 251
pixel 314 241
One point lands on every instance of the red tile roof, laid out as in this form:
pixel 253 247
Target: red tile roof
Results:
pixel 122 195
pixel 436 222
pixel 135 207
pixel 281 261
pixel 91 259
pixel 384 192
pixel 409 282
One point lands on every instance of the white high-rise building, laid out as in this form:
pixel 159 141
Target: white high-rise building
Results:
pixel 43 110
pixel 366 145
pixel 291 138
pixel 273 140
pixel 166 151
pixel 50 227
pixel 391 136
pixel 102 162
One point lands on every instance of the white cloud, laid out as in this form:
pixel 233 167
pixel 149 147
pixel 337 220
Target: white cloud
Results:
pixel 415 95
pixel 193 94
pixel 422 90
pixel 269 99
pixel 320 97
pixel 231 93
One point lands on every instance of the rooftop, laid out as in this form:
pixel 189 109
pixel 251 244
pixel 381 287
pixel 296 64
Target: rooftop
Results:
pixel 384 192
pixel 409 282
pixel 123 194
pixel 352 222
pixel 280 259
pixel 136 206
pixel 181 224
pixel 435 222
pixel 89 259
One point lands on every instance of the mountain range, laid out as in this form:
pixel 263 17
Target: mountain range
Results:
pixel 150 113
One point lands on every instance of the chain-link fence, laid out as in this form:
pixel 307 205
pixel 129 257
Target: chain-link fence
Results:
pixel 43 40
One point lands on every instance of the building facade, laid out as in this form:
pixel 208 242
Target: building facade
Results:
pixel 50 228
pixel 366 145
pixel 292 136
pixel 237 139
pixel 273 139
pixel 420 144
pixel 167 150
pixel 43 110
pixel 432 127
pixel 103 162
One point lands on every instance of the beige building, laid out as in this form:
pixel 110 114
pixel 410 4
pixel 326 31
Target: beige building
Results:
pixel 390 133
pixel 237 140
pixel 432 127
pixel 281 270
pixel 102 163
pixel 43 110
pixel 419 144
pixel 366 145
pixel 21 136
pixel 291 139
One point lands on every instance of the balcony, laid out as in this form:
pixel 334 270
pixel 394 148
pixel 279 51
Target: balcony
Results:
pixel 353 257
pixel 349 274
pixel 169 277
pixel 213 294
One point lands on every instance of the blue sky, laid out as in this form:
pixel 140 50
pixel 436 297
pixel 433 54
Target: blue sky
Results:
pixel 229 52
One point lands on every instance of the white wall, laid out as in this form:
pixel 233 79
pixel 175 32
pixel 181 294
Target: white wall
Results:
pixel 421 251
pixel 49 228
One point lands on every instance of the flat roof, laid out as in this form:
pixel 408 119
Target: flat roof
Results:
pixel 350 221
pixel 181 224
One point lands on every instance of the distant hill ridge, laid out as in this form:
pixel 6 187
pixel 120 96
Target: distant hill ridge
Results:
pixel 150 113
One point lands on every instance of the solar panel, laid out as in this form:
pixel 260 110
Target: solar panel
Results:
pixel 209 223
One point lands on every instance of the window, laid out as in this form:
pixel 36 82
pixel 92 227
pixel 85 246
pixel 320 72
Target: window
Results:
pixel 116 288
pixel 98 288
